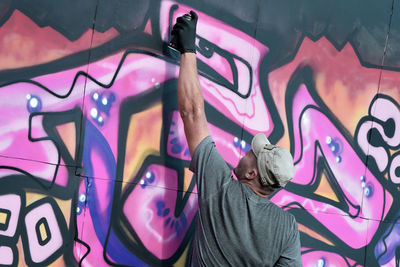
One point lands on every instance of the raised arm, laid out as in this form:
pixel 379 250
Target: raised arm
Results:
pixel 191 102
pixel 190 96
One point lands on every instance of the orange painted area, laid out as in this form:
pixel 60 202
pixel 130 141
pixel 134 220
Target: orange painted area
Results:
pixel 313 234
pixel 23 43
pixel 187 179
pixel 324 189
pixel 64 205
pixel 21 258
pixel 343 84
pixel 143 139
pixel 67 133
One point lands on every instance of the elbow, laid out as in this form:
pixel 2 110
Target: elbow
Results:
pixel 191 112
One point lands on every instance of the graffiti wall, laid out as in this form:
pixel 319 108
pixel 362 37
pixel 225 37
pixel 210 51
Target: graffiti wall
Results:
pixel 93 158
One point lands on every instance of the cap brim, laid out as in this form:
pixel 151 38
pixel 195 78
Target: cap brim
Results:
pixel 258 143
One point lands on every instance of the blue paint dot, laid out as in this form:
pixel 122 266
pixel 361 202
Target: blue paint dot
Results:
pixel 100 122
pixel 34 104
pixel 177 148
pixel 321 263
pixel 177 228
pixel 334 147
pixel 112 97
pixel 328 140
pixel 95 96
pixel 236 142
pixel 187 152
pixel 104 102
pixel 167 221
pixel 82 198
pixel 171 132
pixel 183 220
pixel 368 191
pixel 166 212
pixel 143 183
pixel 247 148
pixel 174 140
pixel 172 224
pixel 78 210
pixel 160 206
pixel 150 177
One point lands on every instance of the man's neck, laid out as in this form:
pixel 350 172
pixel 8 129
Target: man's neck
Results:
pixel 262 192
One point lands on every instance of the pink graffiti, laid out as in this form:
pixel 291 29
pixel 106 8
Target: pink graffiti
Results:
pixel 12 204
pixel 39 252
pixel 382 110
pixel 87 233
pixel 150 210
pixel 10 207
pixel 311 125
pixel 137 75
pixel 252 112
pixel 324 258
pixel 6 255
pixel 224 141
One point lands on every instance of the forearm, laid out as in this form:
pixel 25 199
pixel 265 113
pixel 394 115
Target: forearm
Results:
pixel 191 101
pixel 190 96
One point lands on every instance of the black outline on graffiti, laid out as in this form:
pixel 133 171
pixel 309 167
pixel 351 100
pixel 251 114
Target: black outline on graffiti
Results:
pixel 49 124
pixel 303 75
pixel 61 225
pixel 216 117
pixel 7 241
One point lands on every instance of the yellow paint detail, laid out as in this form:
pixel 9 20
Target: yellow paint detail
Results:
pixel 3 217
pixel 67 133
pixel 143 139
pixel 324 189
pixel 313 234
pixel 43 232
pixel 182 259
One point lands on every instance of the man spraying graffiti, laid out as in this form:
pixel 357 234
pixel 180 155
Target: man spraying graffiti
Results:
pixel 237 225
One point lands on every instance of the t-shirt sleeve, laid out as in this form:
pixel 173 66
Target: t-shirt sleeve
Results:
pixel 210 169
pixel 291 256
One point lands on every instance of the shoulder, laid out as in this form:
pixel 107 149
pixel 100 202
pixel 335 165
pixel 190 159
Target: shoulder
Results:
pixel 286 218
pixel 206 143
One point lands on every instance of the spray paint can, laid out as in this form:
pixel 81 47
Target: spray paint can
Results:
pixel 173 42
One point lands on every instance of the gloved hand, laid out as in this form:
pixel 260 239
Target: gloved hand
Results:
pixel 184 32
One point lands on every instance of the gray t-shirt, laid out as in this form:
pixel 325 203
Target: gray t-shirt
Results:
pixel 236 227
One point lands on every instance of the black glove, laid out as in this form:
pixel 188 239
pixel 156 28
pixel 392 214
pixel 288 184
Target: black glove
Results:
pixel 184 33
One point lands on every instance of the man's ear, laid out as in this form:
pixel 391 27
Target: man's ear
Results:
pixel 252 174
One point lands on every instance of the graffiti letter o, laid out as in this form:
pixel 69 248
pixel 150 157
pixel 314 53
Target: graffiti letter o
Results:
pixel 43 238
